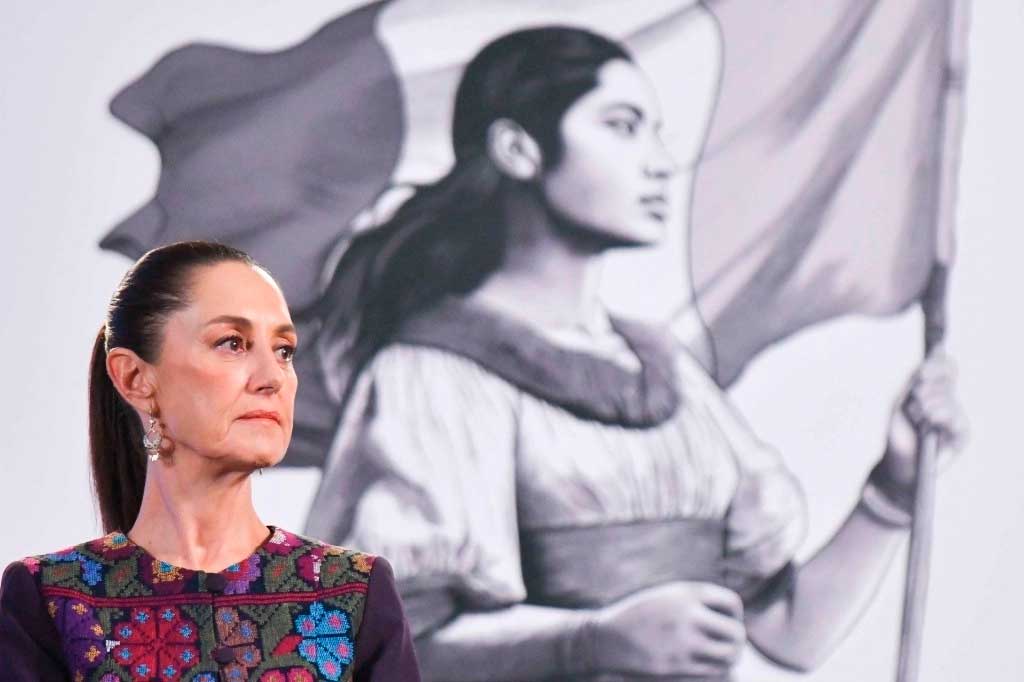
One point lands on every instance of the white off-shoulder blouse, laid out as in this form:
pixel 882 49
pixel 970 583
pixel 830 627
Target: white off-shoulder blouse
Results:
pixel 460 475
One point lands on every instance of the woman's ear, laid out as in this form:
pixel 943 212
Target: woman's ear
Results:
pixel 513 150
pixel 132 377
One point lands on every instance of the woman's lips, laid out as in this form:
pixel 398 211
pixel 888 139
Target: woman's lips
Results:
pixel 262 414
pixel 656 206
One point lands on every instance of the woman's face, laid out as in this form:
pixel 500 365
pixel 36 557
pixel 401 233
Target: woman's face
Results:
pixel 224 381
pixel 613 176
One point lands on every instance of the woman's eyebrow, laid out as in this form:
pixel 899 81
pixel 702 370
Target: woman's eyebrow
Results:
pixel 230 319
pixel 631 108
pixel 245 323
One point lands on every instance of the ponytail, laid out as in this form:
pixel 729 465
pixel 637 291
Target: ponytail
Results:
pixel 446 239
pixel 154 288
pixel 115 437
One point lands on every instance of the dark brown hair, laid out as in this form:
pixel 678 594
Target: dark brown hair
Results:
pixel 154 288
pixel 449 236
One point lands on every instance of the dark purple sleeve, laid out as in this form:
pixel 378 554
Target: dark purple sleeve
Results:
pixel 384 648
pixel 30 648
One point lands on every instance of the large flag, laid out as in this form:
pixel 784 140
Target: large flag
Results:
pixel 827 182
pixel 817 139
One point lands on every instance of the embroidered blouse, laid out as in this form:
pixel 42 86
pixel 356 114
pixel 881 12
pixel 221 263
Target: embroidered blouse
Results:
pixel 497 463
pixel 296 610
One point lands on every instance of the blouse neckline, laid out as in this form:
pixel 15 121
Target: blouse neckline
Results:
pixel 121 538
pixel 587 385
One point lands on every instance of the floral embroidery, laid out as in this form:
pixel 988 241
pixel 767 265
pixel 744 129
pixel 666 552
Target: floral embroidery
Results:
pixel 362 562
pixel 69 554
pixel 92 572
pixel 81 634
pixel 156 644
pixel 270 640
pixel 282 542
pixel 290 675
pixel 324 640
pixel 235 672
pixel 163 572
pixel 287 645
pixel 241 575
pixel 116 540
pixel 309 567
pixel 331 572
pixel 115 545
pixel 162 577
pixel 240 634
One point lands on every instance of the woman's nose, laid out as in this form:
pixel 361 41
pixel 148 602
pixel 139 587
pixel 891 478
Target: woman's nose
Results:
pixel 268 374
pixel 661 165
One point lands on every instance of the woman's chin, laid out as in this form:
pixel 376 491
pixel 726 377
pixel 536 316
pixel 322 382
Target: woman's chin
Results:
pixel 258 455
pixel 638 238
pixel 647 230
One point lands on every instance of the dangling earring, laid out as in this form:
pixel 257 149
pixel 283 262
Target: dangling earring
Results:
pixel 151 440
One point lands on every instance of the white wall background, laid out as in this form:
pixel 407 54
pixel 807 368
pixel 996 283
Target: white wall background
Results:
pixel 68 171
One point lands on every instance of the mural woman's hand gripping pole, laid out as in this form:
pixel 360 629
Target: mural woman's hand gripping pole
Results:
pixel 927 421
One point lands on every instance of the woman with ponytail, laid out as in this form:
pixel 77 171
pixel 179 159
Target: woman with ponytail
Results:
pixel 567 495
pixel 191 391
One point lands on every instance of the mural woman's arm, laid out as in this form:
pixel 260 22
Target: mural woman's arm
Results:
pixel 832 589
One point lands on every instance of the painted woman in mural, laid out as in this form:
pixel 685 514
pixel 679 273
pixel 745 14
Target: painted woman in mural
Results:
pixel 566 494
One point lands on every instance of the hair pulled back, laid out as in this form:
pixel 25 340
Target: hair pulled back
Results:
pixel 156 286
pixel 449 236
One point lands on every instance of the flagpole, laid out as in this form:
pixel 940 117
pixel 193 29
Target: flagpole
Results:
pixel 933 304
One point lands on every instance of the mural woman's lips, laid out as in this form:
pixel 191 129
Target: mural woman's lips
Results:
pixel 656 206
pixel 655 200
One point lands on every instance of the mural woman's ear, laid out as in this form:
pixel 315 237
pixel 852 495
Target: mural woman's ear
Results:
pixel 513 150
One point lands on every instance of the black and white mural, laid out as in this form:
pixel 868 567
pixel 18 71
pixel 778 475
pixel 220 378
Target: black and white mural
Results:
pixel 607 311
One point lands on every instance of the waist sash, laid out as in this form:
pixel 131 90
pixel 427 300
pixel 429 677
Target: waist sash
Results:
pixel 592 566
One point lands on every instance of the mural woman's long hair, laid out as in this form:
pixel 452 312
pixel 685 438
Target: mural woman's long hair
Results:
pixel 450 235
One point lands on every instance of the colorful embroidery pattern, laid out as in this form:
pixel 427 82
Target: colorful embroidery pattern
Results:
pixel 156 644
pixel 83 635
pixel 289 675
pixel 288 613
pixel 324 641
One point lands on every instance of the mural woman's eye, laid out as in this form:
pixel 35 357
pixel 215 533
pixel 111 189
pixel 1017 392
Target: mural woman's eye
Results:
pixel 623 126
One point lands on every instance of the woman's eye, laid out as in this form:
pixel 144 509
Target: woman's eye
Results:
pixel 286 353
pixel 623 126
pixel 235 344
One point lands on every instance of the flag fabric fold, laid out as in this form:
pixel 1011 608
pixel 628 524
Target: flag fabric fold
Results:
pixel 274 153
pixel 826 183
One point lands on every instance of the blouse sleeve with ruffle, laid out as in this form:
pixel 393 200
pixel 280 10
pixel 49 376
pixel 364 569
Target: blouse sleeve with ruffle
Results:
pixel 767 517
pixel 422 472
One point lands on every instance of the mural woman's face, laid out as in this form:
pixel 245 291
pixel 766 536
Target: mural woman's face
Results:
pixel 613 177
pixel 225 385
